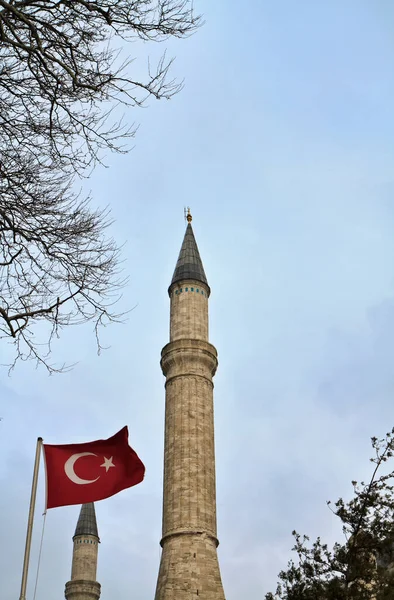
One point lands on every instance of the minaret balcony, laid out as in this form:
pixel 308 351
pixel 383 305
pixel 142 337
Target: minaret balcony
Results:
pixel 189 357
pixel 82 589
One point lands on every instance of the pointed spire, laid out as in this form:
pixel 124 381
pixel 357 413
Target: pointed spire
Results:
pixel 87 524
pixel 189 265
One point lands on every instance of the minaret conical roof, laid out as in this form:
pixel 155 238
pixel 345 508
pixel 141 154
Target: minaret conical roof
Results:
pixel 189 265
pixel 87 524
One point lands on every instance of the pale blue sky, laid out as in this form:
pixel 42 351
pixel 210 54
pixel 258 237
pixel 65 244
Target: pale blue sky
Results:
pixel 282 145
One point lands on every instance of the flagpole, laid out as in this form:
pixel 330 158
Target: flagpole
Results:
pixel 30 520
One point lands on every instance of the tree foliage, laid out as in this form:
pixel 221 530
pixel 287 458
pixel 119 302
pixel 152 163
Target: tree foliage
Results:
pixel 361 567
pixel 61 84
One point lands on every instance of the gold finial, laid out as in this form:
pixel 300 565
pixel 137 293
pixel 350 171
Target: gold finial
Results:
pixel 188 216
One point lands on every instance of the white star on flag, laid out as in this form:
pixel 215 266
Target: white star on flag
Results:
pixel 107 463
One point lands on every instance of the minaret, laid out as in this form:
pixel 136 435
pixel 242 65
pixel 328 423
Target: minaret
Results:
pixel 189 565
pixel 83 584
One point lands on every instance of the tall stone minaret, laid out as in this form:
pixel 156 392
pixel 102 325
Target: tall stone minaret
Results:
pixel 189 565
pixel 83 584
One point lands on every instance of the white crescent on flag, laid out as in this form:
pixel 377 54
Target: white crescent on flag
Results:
pixel 69 469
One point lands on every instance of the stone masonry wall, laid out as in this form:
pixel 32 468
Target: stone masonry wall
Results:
pixel 189 458
pixel 84 563
pixel 83 584
pixel 189 569
pixel 189 311
pixel 189 565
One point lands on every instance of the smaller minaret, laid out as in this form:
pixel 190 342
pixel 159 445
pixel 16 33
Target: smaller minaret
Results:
pixel 83 584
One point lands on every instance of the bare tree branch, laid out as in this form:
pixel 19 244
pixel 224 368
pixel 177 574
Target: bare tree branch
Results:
pixel 62 82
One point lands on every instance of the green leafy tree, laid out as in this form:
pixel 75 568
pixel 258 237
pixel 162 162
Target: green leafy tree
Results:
pixel 361 566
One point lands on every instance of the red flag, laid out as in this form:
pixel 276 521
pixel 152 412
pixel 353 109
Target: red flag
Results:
pixel 81 473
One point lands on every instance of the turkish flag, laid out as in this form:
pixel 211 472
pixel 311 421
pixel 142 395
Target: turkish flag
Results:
pixel 81 473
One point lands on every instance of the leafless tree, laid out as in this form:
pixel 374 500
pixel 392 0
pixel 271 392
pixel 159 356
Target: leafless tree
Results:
pixel 61 84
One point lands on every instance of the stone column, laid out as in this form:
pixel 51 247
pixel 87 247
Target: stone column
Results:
pixel 189 565
pixel 83 584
